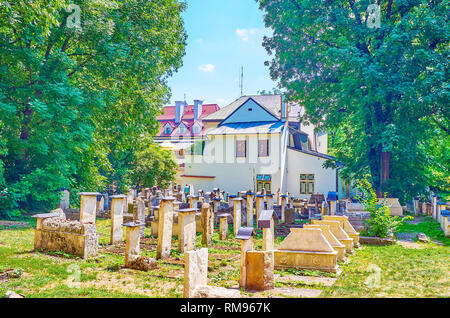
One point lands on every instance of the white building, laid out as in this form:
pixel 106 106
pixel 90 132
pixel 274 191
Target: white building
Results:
pixel 258 141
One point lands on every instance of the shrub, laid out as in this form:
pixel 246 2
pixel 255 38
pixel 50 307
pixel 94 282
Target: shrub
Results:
pixel 381 222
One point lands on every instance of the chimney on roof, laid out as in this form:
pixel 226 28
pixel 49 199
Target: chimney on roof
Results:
pixel 284 111
pixel 198 104
pixel 179 111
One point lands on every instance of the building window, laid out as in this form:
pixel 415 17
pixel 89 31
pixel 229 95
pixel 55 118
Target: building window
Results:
pixel 241 148
pixel 306 184
pixel 263 148
pixel 196 129
pixel 167 130
pixel 182 129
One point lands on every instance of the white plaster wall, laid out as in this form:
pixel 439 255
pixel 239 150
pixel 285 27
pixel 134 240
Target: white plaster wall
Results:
pixel 301 163
pixel 234 174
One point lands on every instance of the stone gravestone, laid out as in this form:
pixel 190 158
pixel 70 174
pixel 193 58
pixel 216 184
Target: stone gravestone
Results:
pixel 117 207
pixel 259 267
pixel 88 207
pixel 223 226
pixel 245 236
pixel 289 216
pixel 132 258
pixel 250 196
pixel 283 203
pixel 339 233
pixel 65 199
pixel 187 231
pixel 207 221
pixel 266 222
pixel 237 213
pixel 165 223
pixel 139 215
pixel 269 200
pixel 259 205
pixel 195 271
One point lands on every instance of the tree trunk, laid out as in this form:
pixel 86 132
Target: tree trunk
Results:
pixel 385 163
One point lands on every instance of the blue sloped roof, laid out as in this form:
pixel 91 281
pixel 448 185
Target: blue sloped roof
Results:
pixel 248 128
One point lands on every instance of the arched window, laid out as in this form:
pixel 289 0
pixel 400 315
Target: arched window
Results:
pixel 167 130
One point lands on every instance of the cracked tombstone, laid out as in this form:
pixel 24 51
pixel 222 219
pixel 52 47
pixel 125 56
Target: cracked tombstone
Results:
pixel 117 207
pixel 195 271
pixel 165 223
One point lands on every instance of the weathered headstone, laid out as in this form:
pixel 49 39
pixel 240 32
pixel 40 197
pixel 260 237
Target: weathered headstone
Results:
pixel 223 226
pixel 187 231
pixel 289 216
pixel 269 201
pixel 259 204
pixel 88 207
pixel 283 203
pixel 117 207
pixel 245 236
pixel 65 199
pixel 259 270
pixel 237 214
pixel 165 223
pixel 139 215
pixel 207 221
pixel 345 224
pixel 195 271
pixel 266 222
pixel 250 196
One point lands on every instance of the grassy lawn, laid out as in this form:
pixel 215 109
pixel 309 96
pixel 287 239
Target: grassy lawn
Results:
pixel 395 271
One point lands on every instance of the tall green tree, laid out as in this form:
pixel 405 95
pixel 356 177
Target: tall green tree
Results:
pixel 381 88
pixel 80 88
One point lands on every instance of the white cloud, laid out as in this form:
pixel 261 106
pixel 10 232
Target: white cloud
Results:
pixel 199 41
pixel 221 101
pixel 245 34
pixel 206 68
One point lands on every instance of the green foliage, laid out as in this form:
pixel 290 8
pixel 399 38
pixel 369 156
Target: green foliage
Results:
pixel 381 223
pixel 76 103
pixel 153 166
pixel 376 90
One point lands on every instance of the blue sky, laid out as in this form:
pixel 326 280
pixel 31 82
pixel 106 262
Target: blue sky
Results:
pixel 223 35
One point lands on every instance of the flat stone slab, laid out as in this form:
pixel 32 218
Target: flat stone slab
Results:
pixel 376 240
pixel 14 224
pixel 289 292
pixel 307 280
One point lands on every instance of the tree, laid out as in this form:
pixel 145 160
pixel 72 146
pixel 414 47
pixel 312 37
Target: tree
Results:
pixel 381 90
pixel 80 89
pixel 153 166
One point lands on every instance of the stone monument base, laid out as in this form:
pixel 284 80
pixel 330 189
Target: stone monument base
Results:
pixel 323 261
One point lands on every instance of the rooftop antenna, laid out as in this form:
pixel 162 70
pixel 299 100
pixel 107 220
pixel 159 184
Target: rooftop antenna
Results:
pixel 241 81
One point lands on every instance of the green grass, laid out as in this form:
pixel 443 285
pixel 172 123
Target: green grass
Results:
pixel 404 272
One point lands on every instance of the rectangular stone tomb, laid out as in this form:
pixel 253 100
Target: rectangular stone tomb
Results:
pixel 339 233
pixel 345 224
pixel 337 246
pixel 306 249
pixel 72 237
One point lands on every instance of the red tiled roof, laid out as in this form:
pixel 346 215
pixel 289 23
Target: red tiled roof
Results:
pixel 169 112
pixel 188 120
